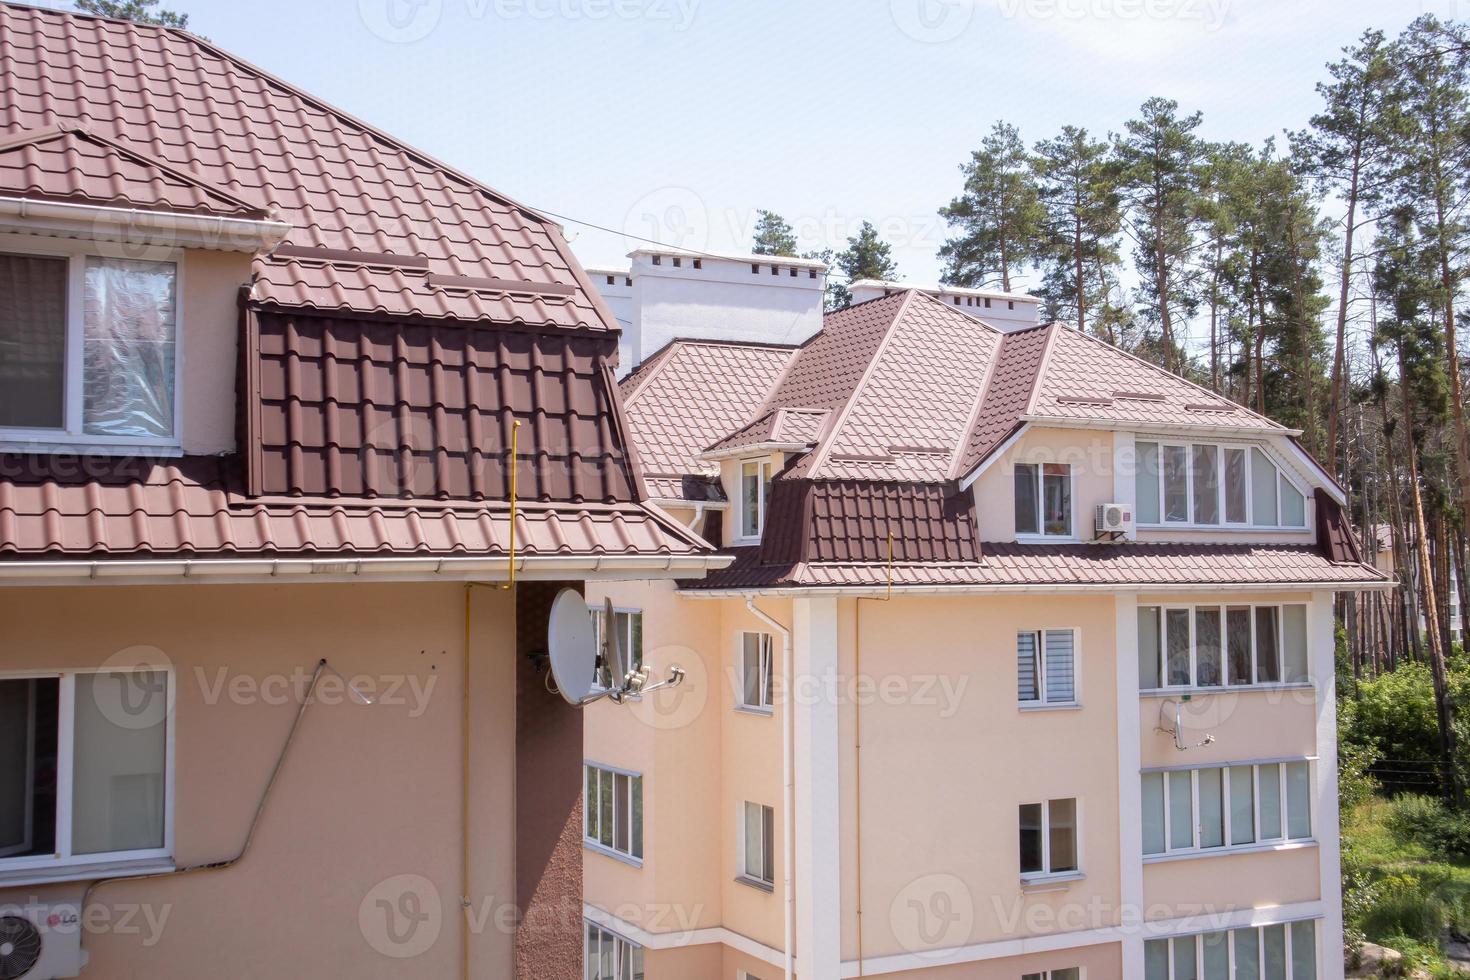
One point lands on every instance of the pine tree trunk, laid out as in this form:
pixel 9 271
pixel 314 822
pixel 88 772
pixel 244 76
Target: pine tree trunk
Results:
pixel 1433 638
pixel 1342 301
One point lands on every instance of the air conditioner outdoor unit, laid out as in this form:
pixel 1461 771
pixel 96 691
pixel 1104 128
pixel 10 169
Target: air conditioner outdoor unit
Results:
pixel 1114 518
pixel 40 942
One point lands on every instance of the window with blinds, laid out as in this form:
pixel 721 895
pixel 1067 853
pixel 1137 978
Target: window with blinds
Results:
pixel 1046 672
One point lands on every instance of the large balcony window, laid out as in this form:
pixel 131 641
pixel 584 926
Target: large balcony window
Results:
pixel 1206 485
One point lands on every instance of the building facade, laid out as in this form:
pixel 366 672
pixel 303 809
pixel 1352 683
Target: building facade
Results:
pixel 300 432
pixel 1023 667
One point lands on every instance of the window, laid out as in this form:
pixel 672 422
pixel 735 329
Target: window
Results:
pixel 613 811
pixel 1286 951
pixel 88 349
pixel 1189 810
pixel 1045 667
pixel 84 764
pixel 757 857
pixel 1205 485
pixel 755 671
pixel 629 624
pixel 1044 499
pixel 1210 646
pixel 1049 838
pixel 1071 973
pixel 611 957
pixel 755 489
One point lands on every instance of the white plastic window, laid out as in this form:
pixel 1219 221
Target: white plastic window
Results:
pixel 1207 485
pixel 1222 807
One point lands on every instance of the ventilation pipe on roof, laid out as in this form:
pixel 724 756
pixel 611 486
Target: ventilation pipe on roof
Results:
pixel 788 820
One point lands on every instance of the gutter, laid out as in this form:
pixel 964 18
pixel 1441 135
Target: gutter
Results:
pixel 879 591
pixel 1215 431
pixel 141 226
pixel 420 568
pixel 788 815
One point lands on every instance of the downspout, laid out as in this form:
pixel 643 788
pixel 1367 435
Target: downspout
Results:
pixel 788 818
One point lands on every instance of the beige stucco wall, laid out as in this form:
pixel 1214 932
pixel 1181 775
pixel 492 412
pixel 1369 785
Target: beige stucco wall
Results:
pixel 209 320
pixel 1229 882
pixel 369 792
pixel 1102 962
pixel 944 774
pixel 1090 454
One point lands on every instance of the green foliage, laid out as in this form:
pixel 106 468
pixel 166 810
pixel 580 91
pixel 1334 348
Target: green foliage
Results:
pixel 773 236
pixel 1425 821
pixel 140 11
pixel 867 257
pixel 1394 717
pixel 1077 187
pixel 999 215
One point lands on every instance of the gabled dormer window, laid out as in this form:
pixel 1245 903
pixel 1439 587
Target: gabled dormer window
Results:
pixel 1044 500
pixel 1206 485
pixel 88 349
pixel 755 489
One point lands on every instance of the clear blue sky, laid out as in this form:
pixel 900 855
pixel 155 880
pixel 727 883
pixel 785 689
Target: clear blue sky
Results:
pixel 676 119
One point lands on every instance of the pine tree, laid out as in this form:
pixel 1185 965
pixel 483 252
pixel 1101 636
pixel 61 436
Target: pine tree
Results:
pixel 773 236
pixel 867 257
pixel 1160 159
pixel 999 214
pixel 1078 194
pixel 139 11
pixel 1346 150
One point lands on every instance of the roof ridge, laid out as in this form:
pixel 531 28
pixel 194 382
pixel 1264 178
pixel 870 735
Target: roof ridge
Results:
pixel 974 417
pixel 949 309
pixel 824 448
pixel 1051 345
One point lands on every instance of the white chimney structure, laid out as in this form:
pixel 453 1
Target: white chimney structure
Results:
pixel 1003 311
pixel 668 293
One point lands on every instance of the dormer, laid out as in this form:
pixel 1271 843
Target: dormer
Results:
pixel 119 280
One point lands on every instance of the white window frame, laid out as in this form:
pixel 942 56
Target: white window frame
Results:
pixel 635 655
pixel 1283 842
pixel 592 815
pixel 767 668
pixel 623 948
pixel 763 479
pixel 1041 701
pixel 72 438
pixel 63 860
pixel 1282 473
pixel 1224 605
pixel 1260 931
pixel 1046 874
pixel 1039 486
pixel 768 846
pixel 1053 974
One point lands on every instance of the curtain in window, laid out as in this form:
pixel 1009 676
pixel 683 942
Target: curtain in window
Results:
pixel 1176 483
pixel 1294 643
pixel 1207 647
pixel 120 722
pixel 1149 648
pixel 1028 508
pixel 1148 483
pixel 128 347
pixel 32 341
pixel 1206 485
pixel 1263 489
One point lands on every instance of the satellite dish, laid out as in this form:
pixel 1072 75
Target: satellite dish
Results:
pixel 572 646
pixel 614 654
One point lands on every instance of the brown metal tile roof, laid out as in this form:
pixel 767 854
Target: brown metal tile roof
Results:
pixel 1007 394
pixel 98 507
pixel 343 185
pixel 358 407
pixel 690 394
pixel 78 166
pixel 851 521
pixel 791 427
pixel 1019 566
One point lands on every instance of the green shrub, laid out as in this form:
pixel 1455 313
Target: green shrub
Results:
pixel 1404 908
pixel 1427 822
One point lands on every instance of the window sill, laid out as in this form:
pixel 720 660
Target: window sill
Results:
pixel 16 877
pixel 745 709
pixel 1032 884
pixel 1174 692
pixel 1028 707
pixel 53 446
pixel 1048 539
pixel 764 886
pixel 596 847
pixel 1256 528
pixel 1270 847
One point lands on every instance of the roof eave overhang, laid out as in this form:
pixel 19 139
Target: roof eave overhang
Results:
pixel 138 226
pixel 419 568
pixel 1204 429
pixel 854 591
pixel 686 502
